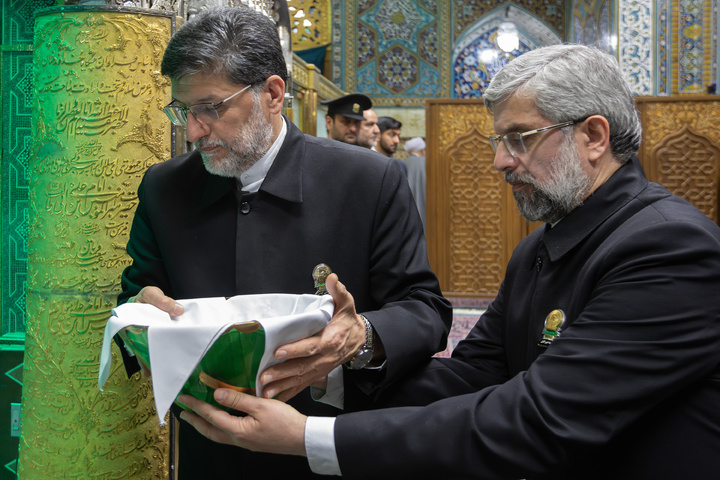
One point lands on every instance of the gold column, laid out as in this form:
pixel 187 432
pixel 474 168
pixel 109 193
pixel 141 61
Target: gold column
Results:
pixel 98 125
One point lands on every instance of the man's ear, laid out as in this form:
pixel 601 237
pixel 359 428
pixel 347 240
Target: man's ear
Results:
pixel 597 130
pixel 276 87
pixel 329 122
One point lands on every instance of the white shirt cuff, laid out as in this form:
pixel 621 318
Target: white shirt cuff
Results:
pixel 320 445
pixel 335 393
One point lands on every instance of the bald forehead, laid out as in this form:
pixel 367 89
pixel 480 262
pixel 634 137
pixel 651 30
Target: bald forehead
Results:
pixel 370 116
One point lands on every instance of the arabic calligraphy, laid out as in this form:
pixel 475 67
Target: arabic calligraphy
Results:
pixel 98 125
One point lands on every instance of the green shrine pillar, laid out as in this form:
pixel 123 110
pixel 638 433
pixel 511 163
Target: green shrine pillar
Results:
pixel 98 125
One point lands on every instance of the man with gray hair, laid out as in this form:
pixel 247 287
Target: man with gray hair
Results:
pixel 600 356
pixel 254 209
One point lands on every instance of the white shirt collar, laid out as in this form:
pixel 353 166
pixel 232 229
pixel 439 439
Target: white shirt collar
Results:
pixel 252 178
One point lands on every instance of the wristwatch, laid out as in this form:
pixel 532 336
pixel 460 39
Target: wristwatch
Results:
pixel 364 355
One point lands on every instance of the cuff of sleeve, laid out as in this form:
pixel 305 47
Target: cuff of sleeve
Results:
pixel 377 367
pixel 320 445
pixel 127 349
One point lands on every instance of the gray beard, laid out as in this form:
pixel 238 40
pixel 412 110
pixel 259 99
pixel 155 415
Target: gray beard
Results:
pixel 247 147
pixel 568 185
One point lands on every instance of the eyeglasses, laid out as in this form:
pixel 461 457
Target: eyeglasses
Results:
pixel 205 112
pixel 514 141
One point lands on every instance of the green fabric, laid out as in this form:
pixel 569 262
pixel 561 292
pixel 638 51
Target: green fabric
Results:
pixel 234 359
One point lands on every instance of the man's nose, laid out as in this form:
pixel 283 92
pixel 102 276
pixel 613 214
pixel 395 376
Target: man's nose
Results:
pixel 504 160
pixel 195 129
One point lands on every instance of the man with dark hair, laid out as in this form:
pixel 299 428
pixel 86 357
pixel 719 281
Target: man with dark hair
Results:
pixel 389 136
pixel 255 208
pixel 600 356
pixel 344 116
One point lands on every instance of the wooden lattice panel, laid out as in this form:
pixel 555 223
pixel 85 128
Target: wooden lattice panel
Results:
pixel 473 224
pixel 681 148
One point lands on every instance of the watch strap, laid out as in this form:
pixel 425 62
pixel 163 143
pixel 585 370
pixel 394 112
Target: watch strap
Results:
pixel 366 351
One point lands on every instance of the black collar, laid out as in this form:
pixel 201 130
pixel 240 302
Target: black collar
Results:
pixel 283 180
pixel 620 189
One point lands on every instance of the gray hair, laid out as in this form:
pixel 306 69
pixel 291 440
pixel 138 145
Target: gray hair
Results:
pixel 573 82
pixel 238 44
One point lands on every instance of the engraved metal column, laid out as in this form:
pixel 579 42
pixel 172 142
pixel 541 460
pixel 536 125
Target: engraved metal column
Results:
pixel 98 125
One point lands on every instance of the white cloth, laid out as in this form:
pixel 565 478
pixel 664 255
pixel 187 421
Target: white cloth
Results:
pixel 177 344
pixel 320 445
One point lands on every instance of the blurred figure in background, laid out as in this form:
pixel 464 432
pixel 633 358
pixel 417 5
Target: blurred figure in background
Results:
pixel 344 116
pixel 369 132
pixel 415 162
pixel 389 136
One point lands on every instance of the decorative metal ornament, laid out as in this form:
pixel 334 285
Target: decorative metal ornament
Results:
pixel 553 324
pixel 320 274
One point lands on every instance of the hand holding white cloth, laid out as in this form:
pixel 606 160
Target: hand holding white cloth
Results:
pixel 177 344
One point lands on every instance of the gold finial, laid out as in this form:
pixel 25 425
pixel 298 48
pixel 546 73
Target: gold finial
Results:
pixel 320 274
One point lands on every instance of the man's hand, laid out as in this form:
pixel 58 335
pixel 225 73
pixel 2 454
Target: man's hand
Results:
pixel 154 296
pixel 270 426
pixel 309 361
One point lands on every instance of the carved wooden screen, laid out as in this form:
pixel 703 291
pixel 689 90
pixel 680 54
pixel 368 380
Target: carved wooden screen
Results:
pixel 681 147
pixel 472 222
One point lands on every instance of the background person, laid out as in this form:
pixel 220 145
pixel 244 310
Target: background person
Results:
pixel 369 132
pixel 344 116
pixel 626 388
pixel 255 207
pixel 415 163
pixel 389 136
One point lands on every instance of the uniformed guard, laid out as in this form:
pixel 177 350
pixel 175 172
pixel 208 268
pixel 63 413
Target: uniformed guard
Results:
pixel 344 116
